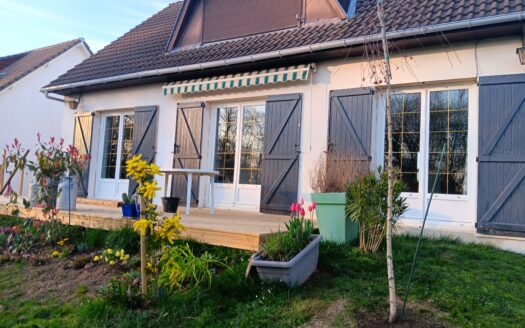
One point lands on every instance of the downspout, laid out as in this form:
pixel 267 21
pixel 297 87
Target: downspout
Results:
pixel 467 24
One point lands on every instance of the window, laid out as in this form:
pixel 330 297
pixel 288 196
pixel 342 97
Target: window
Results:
pixel 109 164
pixel 448 126
pixel 226 144
pixel 127 143
pixel 406 118
pixel 252 144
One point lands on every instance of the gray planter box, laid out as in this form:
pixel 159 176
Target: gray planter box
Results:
pixel 294 272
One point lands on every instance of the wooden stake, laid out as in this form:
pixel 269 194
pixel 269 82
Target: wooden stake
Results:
pixel 143 277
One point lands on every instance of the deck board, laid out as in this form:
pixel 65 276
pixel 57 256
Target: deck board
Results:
pixel 229 228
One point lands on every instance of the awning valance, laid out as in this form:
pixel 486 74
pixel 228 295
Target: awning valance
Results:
pixel 257 78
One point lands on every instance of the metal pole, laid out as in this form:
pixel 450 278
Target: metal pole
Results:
pixel 422 229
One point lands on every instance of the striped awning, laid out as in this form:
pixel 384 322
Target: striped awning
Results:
pixel 248 79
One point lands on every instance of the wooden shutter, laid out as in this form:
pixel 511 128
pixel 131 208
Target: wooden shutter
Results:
pixel 501 160
pixel 187 151
pixel 282 144
pixel 350 128
pixel 82 136
pixel 144 136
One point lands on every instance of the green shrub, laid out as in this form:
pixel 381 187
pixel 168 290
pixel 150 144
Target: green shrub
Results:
pixel 95 238
pixel 284 246
pixel 124 238
pixel 124 290
pixel 366 203
pixel 180 268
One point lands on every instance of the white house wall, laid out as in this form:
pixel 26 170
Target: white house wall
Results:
pixel 26 111
pixel 438 67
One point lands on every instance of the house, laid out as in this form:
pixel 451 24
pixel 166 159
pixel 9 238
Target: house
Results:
pixel 260 89
pixel 25 110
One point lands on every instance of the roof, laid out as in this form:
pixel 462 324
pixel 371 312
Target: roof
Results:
pixel 144 47
pixel 15 67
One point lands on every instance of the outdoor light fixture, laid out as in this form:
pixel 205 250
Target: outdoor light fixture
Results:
pixel 521 51
pixel 73 104
pixel 521 55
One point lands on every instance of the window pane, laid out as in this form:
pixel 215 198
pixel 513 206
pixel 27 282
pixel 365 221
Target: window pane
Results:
pixel 127 144
pixel 109 161
pixel 406 119
pixel 449 127
pixel 252 141
pixel 225 144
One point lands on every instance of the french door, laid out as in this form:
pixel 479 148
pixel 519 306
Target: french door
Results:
pixel 238 153
pixel 423 122
pixel 116 141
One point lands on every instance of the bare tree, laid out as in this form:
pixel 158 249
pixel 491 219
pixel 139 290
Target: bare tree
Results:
pixel 389 168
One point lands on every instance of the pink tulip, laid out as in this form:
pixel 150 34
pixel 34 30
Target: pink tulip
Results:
pixel 292 208
pixel 301 212
pixel 301 201
pixel 314 205
pixel 310 208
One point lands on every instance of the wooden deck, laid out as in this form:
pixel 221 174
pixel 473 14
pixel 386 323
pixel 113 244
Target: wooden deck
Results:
pixel 236 229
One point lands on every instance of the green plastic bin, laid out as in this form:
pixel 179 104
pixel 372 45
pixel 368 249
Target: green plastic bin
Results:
pixel 331 218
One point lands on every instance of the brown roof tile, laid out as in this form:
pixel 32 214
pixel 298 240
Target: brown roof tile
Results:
pixel 143 48
pixel 15 67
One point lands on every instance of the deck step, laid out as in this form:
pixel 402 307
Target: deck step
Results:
pixel 98 202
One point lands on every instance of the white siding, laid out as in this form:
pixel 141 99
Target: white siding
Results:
pixel 25 111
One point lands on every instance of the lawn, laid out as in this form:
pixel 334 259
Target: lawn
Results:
pixel 456 284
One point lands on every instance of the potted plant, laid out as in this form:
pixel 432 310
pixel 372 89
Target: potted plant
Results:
pixel 52 161
pixel 170 204
pixel 329 179
pixel 129 207
pixel 289 257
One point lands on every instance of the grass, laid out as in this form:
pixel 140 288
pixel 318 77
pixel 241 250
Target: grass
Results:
pixel 16 311
pixel 456 284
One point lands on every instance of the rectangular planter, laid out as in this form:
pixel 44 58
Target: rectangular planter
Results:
pixel 331 218
pixel 294 272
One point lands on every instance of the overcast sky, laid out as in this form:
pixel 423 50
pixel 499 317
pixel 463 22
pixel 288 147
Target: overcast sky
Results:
pixel 30 24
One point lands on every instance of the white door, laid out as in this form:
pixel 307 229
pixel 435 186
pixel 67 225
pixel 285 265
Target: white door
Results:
pixel 423 121
pixel 115 149
pixel 238 155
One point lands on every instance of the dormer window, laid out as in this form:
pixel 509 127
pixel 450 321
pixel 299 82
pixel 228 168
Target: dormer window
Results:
pixel 205 21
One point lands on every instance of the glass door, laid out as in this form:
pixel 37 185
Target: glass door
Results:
pixel 238 155
pixel 116 147
pixel 422 122
pixel 406 147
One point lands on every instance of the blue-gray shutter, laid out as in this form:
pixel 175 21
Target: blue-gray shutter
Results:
pixel 187 151
pixel 82 136
pixel 144 137
pixel 350 127
pixel 282 144
pixel 501 158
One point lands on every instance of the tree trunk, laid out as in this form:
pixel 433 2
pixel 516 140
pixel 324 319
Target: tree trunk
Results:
pixel 390 170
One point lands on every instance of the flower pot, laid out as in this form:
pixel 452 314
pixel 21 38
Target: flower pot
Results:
pixel 67 194
pixel 170 204
pixel 52 194
pixel 129 211
pixel 331 218
pixel 33 194
pixel 294 272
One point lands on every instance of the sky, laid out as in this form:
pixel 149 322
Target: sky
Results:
pixel 31 24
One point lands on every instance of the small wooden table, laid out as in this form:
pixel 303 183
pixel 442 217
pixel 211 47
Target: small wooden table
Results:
pixel 190 173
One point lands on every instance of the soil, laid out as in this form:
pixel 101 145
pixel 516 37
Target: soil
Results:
pixel 420 315
pixel 62 279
